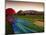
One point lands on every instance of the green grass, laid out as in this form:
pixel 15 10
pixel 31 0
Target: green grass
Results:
pixel 31 18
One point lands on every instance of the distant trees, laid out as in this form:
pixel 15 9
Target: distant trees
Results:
pixel 20 12
pixel 29 12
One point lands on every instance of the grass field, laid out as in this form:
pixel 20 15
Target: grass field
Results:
pixel 37 20
pixel 32 18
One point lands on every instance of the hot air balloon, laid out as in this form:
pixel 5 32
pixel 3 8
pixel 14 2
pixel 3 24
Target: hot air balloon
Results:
pixel 9 12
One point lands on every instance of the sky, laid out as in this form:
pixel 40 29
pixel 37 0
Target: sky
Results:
pixel 25 6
